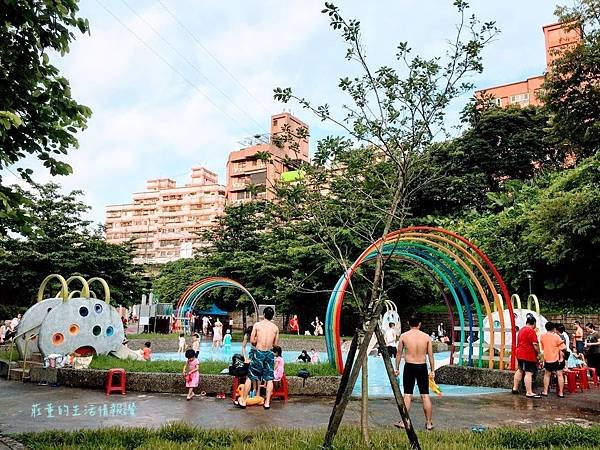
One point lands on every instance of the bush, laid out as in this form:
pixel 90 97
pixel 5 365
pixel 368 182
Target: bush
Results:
pixel 9 311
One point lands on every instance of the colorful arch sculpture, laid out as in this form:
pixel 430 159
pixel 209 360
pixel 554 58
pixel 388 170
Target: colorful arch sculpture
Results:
pixel 194 292
pixel 466 272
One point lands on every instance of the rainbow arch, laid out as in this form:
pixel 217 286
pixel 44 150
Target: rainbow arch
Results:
pixel 195 291
pixel 474 284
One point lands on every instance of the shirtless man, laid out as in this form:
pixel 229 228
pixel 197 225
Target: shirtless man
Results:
pixel 265 335
pixel 417 346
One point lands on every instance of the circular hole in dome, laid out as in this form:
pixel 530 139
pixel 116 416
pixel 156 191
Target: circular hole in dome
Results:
pixel 57 338
pixel 49 309
pixel 98 308
pixel 97 330
pixel 73 329
pixel 83 311
pixel 110 331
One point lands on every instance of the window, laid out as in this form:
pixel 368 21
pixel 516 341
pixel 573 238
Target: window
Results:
pixel 498 102
pixel 520 99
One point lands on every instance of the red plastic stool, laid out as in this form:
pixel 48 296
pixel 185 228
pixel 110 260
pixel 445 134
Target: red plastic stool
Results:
pixel 572 383
pixel 594 376
pixel 282 390
pixel 115 386
pixel 582 377
pixel 234 388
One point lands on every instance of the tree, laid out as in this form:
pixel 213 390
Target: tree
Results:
pixel 502 144
pixel 549 225
pixel 571 90
pixel 62 243
pixel 394 115
pixel 38 117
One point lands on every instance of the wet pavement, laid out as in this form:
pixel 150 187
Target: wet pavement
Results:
pixel 28 407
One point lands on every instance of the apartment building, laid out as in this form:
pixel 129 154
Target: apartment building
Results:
pixel 165 220
pixel 249 177
pixel 557 38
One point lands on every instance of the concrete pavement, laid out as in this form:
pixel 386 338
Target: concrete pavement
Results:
pixel 28 407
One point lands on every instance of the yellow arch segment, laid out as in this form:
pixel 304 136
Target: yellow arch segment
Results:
pixel 64 290
pixel 73 293
pixel 93 294
pixel 471 274
pixel 495 296
pixel 489 282
pixel 517 300
pixel 536 303
pixel 104 284
pixel 85 288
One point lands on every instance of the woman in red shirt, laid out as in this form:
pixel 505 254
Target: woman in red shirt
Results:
pixel 527 351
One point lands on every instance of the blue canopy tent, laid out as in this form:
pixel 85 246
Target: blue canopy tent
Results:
pixel 214 310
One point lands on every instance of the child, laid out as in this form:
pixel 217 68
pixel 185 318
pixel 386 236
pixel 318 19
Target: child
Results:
pixel 190 372
pixel 278 371
pixel 196 344
pixel 314 356
pixel 227 341
pixel 181 343
pixel 146 352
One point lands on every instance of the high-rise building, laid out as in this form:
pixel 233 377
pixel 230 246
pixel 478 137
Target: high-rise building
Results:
pixel 558 37
pixel 249 177
pixel 165 221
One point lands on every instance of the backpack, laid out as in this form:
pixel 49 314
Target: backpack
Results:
pixel 237 367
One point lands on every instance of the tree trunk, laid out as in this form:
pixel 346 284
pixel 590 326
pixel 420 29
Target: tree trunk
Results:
pixel 364 413
pixel 347 385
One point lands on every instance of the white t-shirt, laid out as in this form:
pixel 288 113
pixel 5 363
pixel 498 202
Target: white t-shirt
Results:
pixel 14 323
pixel 181 341
pixel 205 321
pixel 567 341
pixel 390 337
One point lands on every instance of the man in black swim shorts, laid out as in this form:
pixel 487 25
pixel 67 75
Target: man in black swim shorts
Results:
pixel 416 346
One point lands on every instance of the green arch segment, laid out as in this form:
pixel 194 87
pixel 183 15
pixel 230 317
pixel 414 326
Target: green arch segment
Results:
pixel 390 249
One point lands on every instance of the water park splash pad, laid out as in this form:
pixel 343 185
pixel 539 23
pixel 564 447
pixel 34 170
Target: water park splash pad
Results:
pixel 475 288
pixel 195 291
pixel 70 322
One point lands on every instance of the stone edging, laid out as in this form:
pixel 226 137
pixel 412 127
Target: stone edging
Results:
pixel 173 383
pixel 475 376
pixel 11 443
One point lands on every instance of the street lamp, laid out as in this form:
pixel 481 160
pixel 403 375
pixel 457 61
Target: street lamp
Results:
pixel 529 273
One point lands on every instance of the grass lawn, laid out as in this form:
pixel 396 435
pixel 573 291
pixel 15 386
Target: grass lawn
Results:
pixel 182 436
pixel 206 367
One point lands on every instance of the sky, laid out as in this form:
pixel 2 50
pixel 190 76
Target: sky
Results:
pixel 175 84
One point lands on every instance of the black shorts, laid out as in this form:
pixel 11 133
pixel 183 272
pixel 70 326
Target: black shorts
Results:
pixel 552 366
pixel 527 366
pixel 392 350
pixel 580 346
pixel 418 373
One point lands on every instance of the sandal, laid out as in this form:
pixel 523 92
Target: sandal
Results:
pixel 533 396
pixel 267 406
pixel 560 395
pixel 400 425
pixel 429 427
pixel 543 395
pixel 515 392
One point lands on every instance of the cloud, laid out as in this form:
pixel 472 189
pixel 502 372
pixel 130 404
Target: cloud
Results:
pixel 148 122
